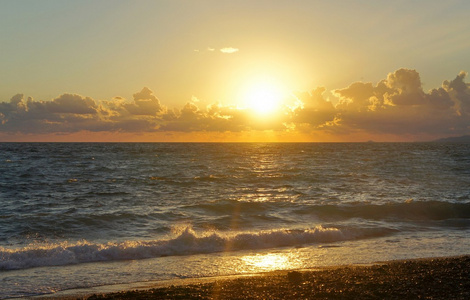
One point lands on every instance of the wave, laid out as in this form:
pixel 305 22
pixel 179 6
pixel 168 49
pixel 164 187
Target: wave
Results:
pixel 185 242
pixel 407 211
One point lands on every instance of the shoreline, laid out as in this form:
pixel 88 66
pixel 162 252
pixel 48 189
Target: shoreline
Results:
pixel 432 278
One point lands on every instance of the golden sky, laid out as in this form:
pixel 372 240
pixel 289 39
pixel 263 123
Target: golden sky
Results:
pixel 218 70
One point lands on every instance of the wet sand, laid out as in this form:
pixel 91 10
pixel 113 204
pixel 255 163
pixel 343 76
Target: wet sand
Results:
pixel 437 278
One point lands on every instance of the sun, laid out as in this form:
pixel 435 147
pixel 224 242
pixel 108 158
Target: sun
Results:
pixel 263 97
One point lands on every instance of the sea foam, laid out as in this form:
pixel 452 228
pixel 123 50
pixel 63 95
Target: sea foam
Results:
pixel 186 242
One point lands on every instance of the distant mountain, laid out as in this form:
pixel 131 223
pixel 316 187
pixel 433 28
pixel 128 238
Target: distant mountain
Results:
pixel 458 139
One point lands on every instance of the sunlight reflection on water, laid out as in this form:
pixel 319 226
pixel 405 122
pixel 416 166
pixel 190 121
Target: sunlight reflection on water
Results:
pixel 271 261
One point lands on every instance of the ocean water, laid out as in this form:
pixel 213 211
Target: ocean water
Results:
pixel 81 215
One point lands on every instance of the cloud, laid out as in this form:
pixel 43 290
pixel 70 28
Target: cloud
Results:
pixel 226 50
pixel 404 88
pixel 215 118
pixel 229 50
pixel 73 104
pixel 72 113
pixel 145 103
pixel 313 109
pixel 66 113
pixel 396 105
pixel 459 91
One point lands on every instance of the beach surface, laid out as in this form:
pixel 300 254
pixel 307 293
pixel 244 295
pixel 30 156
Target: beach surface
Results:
pixel 431 278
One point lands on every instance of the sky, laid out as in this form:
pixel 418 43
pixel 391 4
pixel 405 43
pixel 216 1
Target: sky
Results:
pixel 234 71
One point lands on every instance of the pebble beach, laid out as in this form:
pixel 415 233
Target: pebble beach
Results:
pixel 431 278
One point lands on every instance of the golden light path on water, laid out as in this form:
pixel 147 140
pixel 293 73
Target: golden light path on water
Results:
pixel 263 262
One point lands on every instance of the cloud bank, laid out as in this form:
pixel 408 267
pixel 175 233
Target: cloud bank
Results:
pixel 396 105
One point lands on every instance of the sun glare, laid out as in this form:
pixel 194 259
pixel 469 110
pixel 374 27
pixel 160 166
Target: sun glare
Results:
pixel 263 98
pixel 266 262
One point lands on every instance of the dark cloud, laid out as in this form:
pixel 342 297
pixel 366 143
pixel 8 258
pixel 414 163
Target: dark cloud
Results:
pixel 459 91
pixel 440 99
pixel 72 104
pixel 145 103
pixel 405 88
pixel 398 105
pixel 67 113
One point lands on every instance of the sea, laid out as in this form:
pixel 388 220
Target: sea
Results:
pixel 85 215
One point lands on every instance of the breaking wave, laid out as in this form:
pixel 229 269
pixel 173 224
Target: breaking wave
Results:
pixel 185 242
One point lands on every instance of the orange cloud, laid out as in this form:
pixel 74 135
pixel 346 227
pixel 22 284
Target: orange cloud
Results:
pixel 313 110
pixel 395 106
